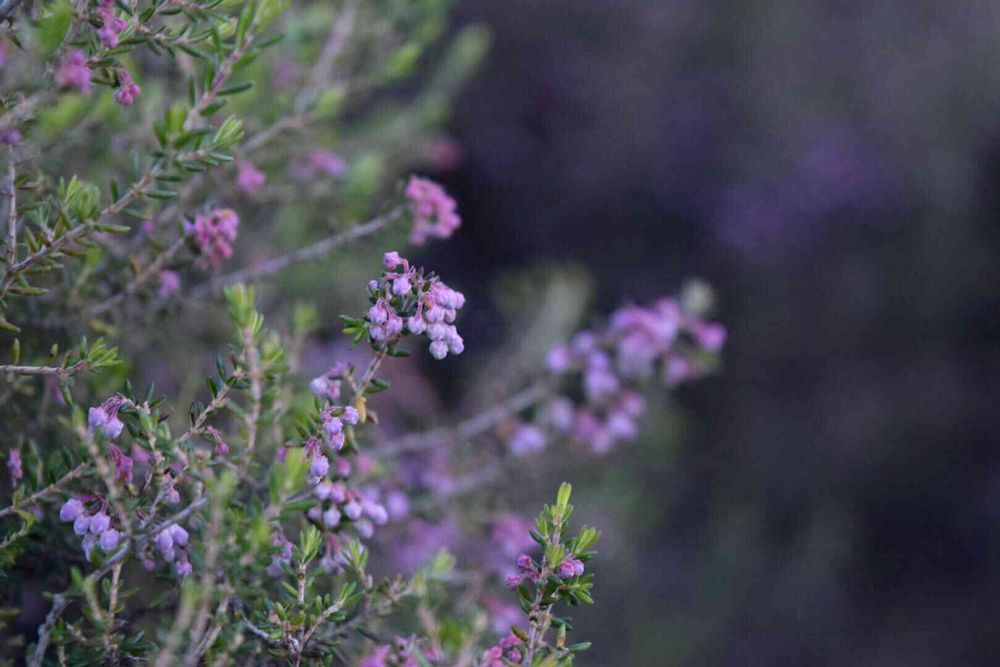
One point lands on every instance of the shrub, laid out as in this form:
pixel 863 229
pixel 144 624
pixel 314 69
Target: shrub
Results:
pixel 155 154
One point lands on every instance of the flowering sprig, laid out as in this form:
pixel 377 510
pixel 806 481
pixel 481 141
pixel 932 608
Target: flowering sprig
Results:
pixel 541 584
pixel 600 373
pixel 409 300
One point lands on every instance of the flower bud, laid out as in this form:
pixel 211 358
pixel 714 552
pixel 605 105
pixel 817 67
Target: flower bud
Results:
pixel 81 525
pixel 179 534
pixel 319 386
pixel 352 510
pixel 401 286
pixel 331 517
pixel 164 540
pixel 99 523
pixel 391 260
pixel 350 416
pixel 416 324
pixel 439 349
pixel 70 510
pixel 109 539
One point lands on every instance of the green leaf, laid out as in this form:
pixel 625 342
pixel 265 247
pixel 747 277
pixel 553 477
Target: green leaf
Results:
pixel 234 88
pixel 53 24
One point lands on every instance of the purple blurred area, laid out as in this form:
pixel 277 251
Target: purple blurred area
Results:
pixel 833 169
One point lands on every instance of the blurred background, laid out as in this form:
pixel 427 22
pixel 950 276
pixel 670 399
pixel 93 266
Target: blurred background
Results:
pixel 831 168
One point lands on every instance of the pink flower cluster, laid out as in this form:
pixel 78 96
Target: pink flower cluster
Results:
pixel 319 161
pixel 171 543
pixel 95 528
pixel 639 343
pixel 433 211
pixel 74 73
pixel 128 90
pixel 403 652
pixel 333 420
pixel 341 504
pixel 249 178
pixel 112 25
pixel 327 385
pixel 503 653
pixel 405 295
pixel 214 233
pixel 531 571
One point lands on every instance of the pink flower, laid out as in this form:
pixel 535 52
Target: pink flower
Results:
pixel 104 418
pixel 527 439
pixel 249 178
pixel 330 163
pixel 710 335
pixel 170 283
pixel 221 446
pixel 433 211
pixel 379 657
pixel 109 539
pixel 99 523
pixel 122 463
pixel 112 26
pixel 319 161
pixel 318 468
pixel 71 509
pixel 14 465
pixel 569 568
pixel 214 233
pixel 128 90
pixel 10 136
pixel 73 72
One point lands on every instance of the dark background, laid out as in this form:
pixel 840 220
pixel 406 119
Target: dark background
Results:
pixel 833 497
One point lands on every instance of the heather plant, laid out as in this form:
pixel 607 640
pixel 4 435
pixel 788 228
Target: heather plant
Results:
pixel 159 157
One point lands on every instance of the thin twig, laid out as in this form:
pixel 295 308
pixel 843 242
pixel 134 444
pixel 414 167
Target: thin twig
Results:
pixel 310 252
pixel 467 428
pixel 59 371
pixel 322 69
pixel 207 588
pixel 109 627
pixel 140 280
pixel 256 375
pixel 50 489
pixel 12 216
pixel 81 230
pixel 59 604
